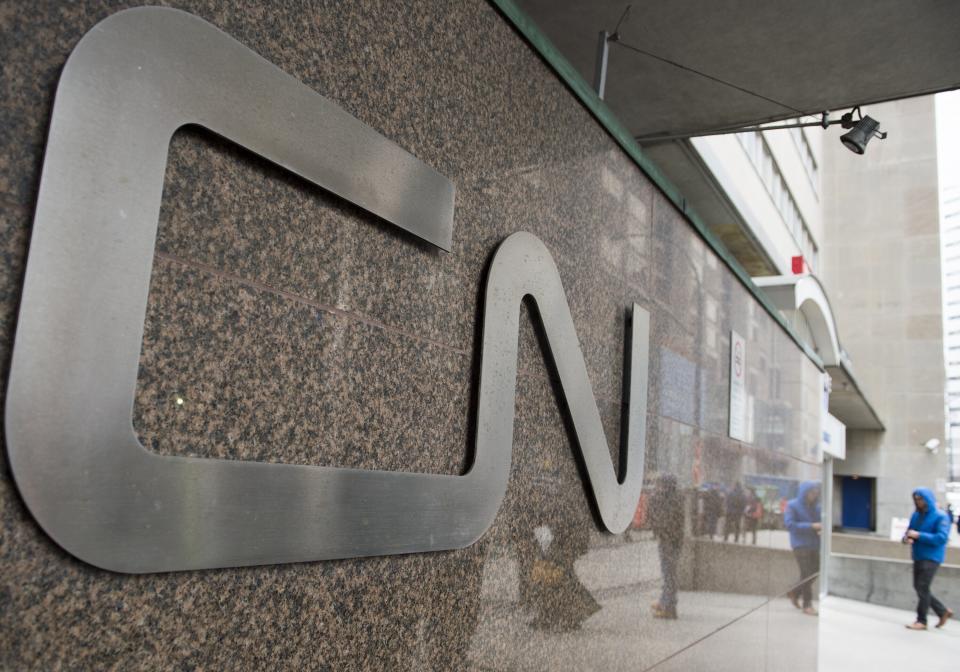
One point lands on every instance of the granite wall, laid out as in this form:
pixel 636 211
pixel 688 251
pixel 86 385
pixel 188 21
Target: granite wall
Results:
pixel 297 328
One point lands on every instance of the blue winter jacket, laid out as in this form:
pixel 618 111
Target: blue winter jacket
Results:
pixel 934 528
pixel 800 516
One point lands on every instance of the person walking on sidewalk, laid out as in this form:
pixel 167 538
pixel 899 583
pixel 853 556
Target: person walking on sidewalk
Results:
pixel 927 534
pixel 802 518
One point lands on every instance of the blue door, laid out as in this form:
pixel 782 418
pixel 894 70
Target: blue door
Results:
pixel 857 502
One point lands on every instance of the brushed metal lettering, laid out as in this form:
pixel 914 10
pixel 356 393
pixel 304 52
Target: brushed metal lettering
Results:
pixel 129 84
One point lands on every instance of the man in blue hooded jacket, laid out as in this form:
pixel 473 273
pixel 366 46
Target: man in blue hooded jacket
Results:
pixel 802 519
pixel 927 534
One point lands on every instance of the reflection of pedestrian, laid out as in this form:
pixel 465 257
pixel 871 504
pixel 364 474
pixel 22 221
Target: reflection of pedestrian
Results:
pixel 666 521
pixel 699 512
pixel 736 502
pixel 927 533
pixel 753 512
pixel 713 509
pixel 802 518
pixel 553 590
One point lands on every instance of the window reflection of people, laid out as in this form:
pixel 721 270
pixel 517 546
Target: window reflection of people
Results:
pixel 802 518
pixel 753 512
pixel 710 508
pixel 736 503
pixel 927 535
pixel 666 520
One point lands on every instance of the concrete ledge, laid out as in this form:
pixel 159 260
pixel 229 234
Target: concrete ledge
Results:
pixel 878 547
pixel 888 582
pixel 743 569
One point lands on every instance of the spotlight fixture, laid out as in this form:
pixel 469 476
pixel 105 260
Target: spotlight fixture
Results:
pixel 865 128
pixel 933 445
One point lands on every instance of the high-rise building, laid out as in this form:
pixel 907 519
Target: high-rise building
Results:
pixel 950 240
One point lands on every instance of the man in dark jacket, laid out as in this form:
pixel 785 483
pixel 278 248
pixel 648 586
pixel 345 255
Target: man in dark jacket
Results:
pixel 665 513
pixel 736 503
pixel 802 519
pixel 927 534
pixel 712 510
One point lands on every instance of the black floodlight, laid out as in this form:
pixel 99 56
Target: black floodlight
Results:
pixel 856 139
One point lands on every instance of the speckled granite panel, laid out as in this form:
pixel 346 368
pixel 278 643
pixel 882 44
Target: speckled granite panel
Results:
pixel 722 652
pixel 285 381
pixel 285 324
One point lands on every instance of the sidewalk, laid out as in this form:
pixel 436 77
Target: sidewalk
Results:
pixel 860 636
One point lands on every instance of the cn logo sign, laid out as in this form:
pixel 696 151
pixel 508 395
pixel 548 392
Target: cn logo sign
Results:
pixel 126 88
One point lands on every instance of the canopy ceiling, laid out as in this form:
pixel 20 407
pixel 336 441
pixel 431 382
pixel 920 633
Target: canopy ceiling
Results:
pixel 806 56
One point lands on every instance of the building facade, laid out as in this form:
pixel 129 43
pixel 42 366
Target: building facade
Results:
pixel 882 267
pixel 846 247
pixel 285 324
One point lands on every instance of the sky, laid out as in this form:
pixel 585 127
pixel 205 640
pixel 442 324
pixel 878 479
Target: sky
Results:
pixel 948 138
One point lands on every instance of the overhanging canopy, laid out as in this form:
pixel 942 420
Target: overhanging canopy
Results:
pixel 801 299
pixel 804 303
pixel 796 57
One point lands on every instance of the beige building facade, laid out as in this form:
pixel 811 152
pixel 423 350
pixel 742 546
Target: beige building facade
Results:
pixel 881 267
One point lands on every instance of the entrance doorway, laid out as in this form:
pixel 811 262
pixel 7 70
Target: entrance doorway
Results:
pixel 858 497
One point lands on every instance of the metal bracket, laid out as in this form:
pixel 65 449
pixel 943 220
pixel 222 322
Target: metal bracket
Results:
pixel 600 67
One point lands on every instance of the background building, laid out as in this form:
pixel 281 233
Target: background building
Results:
pixel 881 265
pixel 950 243
pixel 948 145
pixel 847 247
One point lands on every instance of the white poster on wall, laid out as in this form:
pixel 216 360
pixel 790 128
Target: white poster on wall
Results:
pixel 738 387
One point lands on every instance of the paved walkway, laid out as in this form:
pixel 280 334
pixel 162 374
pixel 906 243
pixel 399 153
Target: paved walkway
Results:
pixel 860 637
